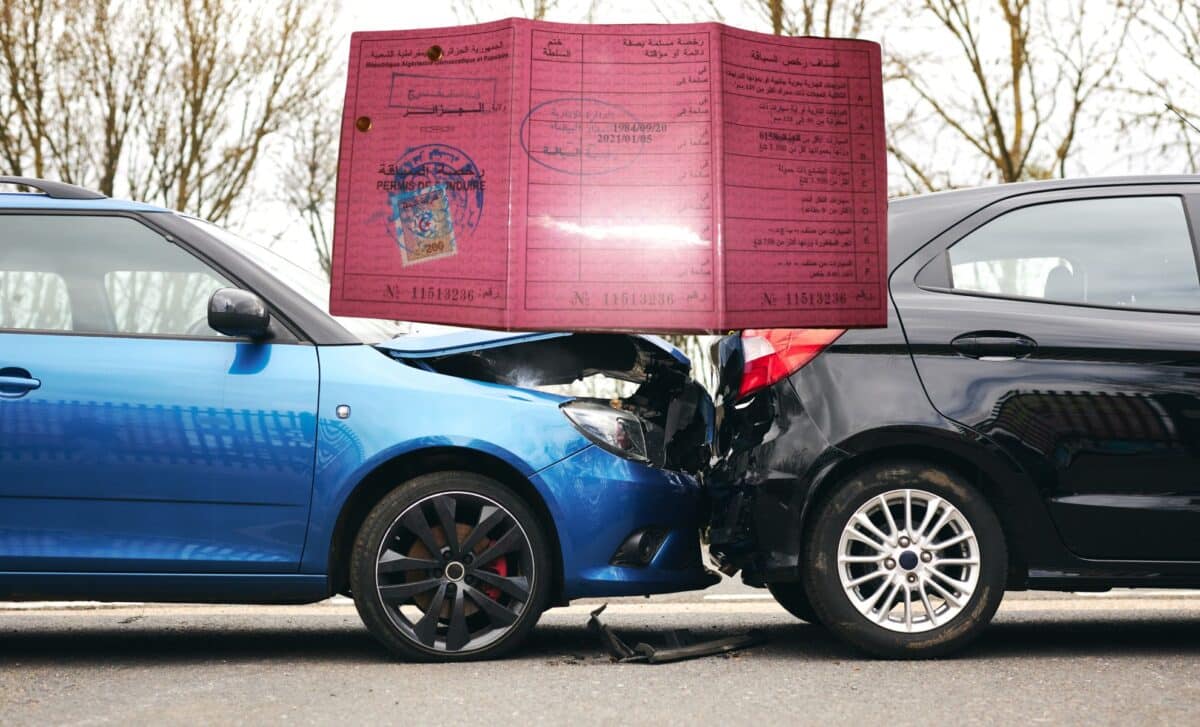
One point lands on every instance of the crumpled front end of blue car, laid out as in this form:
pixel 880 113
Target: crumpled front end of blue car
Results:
pixel 626 528
pixel 627 510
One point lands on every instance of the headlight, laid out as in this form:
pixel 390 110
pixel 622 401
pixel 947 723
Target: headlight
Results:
pixel 617 431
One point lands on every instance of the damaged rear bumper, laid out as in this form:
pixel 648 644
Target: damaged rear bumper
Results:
pixel 606 500
pixel 775 456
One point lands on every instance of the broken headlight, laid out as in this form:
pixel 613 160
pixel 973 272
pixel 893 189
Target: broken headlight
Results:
pixel 617 431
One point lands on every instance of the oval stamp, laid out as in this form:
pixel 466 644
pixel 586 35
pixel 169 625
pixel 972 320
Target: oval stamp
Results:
pixel 437 195
pixel 582 136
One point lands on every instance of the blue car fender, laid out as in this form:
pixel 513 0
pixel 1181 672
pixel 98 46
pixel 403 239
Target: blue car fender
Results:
pixel 393 411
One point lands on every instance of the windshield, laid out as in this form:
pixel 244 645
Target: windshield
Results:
pixel 312 286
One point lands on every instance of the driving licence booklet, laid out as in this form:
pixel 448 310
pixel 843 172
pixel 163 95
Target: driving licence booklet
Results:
pixel 672 178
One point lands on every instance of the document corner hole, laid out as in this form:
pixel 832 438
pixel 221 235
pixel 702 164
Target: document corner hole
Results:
pixel 434 54
pixel 363 123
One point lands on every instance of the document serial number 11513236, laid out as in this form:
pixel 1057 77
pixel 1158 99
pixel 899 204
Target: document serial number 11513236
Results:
pixel 805 299
pixel 436 293
pixel 625 299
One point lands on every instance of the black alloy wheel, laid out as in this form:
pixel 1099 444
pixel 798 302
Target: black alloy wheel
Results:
pixel 450 566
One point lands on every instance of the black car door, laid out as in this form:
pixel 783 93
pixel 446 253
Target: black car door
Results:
pixel 1065 326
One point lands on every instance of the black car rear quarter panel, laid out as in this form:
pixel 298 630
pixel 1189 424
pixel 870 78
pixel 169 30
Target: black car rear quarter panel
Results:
pixel 858 401
pixel 773 442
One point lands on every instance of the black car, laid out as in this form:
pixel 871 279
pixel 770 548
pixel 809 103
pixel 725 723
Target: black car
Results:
pixel 1029 419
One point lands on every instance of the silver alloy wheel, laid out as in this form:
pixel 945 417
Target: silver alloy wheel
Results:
pixel 455 572
pixel 908 561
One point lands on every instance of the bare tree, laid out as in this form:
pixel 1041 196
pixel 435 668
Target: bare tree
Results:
pixel 178 110
pixel 688 10
pixel 70 75
pixel 233 75
pixel 110 84
pixel 33 42
pixel 825 18
pixel 1170 79
pixel 310 176
pixel 537 9
pixel 1020 101
pixel 473 11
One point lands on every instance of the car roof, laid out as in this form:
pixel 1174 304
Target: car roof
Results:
pixel 914 221
pixel 38 201
pixel 992 192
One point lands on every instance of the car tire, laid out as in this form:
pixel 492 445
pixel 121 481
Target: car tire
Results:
pixel 427 597
pixel 905 561
pixel 793 598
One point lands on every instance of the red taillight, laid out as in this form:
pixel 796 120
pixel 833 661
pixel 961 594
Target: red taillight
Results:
pixel 772 354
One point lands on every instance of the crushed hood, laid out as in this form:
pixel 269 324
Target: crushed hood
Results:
pixel 676 412
pixel 538 359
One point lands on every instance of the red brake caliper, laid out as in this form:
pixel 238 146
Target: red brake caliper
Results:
pixel 500 568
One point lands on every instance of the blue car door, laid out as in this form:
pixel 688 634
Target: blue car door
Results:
pixel 133 437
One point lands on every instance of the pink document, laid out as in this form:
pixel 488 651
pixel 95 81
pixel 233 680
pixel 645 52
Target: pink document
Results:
pixel 674 178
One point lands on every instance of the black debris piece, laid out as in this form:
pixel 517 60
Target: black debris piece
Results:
pixel 681 644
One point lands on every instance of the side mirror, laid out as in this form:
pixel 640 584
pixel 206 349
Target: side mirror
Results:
pixel 238 313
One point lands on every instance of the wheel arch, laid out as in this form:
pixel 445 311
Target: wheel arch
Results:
pixel 388 475
pixel 999 479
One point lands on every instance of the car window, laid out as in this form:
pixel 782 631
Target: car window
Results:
pixel 32 300
pixel 161 302
pixel 1125 252
pixel 109 274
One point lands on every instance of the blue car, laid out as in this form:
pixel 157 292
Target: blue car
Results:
pixel 181 421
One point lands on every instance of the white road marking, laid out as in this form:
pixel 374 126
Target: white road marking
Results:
pixel 66 605
pixel 1143 593
pixel 1183 601
pixel 739 597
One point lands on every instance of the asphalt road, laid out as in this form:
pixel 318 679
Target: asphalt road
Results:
pixel 1118 658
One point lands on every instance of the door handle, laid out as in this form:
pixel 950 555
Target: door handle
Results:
pixel 994 345
pixel 15 383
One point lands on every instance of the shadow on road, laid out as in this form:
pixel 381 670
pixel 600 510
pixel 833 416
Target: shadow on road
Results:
pixel 1111 638
pixel 556 644
pixel 111 646
pixel 1115 638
